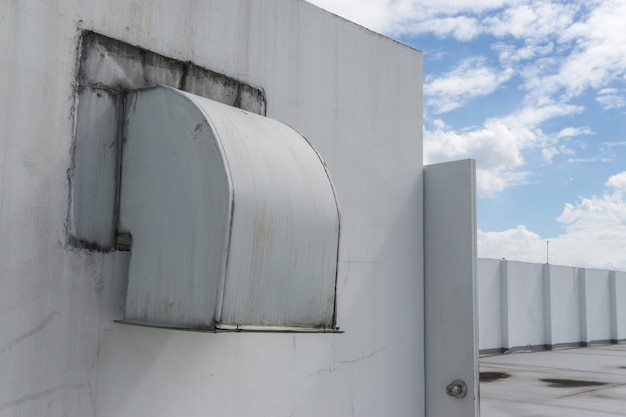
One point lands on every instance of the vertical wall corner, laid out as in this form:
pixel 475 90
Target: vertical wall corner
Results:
pixel 547 306
pixel 504 304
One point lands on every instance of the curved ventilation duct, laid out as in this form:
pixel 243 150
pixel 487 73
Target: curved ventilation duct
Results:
pixel 233 218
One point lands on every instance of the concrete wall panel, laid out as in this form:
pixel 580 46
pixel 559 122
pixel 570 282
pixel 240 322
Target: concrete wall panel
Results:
pixel 353 93
pixel 563 305
pixel 597 300
pixel 619 298
pixel 450 314
pixel 525 304
pixel 489 286
pixel 541 305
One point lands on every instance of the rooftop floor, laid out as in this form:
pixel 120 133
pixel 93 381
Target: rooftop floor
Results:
pixel 579 382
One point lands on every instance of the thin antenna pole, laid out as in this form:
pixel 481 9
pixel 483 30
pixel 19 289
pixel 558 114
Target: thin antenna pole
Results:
pixel 547 251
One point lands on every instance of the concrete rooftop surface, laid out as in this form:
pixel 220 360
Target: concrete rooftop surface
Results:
pixel 589 382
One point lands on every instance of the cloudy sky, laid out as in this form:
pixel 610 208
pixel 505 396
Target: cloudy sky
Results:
pixel 535 91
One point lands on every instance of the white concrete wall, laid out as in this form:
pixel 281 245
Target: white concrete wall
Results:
pixel 525 304
pixel 489 284
pixel 537 306
pixel 563 307
pixel 354 94
pixel 450 304
pixel 596 297
pixel 619 301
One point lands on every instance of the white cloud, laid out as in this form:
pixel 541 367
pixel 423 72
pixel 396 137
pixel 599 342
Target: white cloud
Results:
pixel 613 144
pixel 531 20
pixel 596 230
pixel 378 15
pixel 544 111
pixel 607 91
pixel 493 144
pixel 471 78
pixel 588 160
pixel 491 181
pixel 586 37
pixel 462 20
pixel 618 182
pixel 599 53
pixel 570 132
pixel 462 28
pixel 494 147
pixel 509 54
pixel 519 244
pixel 394 17
pixel 497 146
pixel 609 98
pixel 567 47
pixel 594 214
pixel 465 20
pixel 550 152
pixel 595 234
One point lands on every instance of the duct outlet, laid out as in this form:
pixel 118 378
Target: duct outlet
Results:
pixel 230 217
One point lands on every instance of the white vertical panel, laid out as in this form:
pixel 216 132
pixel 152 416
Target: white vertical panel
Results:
pixel 620 304
pixel 451 340
pixel 547 306
pixel 582 285
pixel 563 311
pixel 613 296
pixel 598 305
pixel 504 304
pixel 489 288
pixel 525 304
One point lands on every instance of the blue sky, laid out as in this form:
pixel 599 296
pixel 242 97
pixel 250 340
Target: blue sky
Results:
pixel 535 91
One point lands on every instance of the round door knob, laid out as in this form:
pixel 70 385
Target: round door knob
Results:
pixel 456 389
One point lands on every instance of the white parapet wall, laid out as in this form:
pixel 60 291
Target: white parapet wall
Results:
pixel 562 305
pixel 618 292
pixel 524 295
pixel 527 306
pixel 491 314
pixel 354 94
pixel 595 305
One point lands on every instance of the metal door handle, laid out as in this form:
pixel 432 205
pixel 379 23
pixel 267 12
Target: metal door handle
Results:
pixel 456 389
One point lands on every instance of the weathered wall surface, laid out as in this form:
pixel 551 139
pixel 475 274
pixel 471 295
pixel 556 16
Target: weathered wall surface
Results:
pixel 354 94
pixel 489 288
pixel 596 299
pixel 618 310
pixel 539 306
pixel 525 304
pixel 562 305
